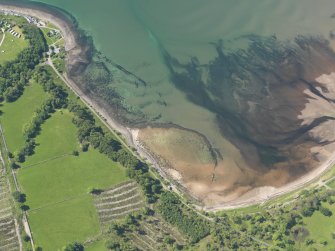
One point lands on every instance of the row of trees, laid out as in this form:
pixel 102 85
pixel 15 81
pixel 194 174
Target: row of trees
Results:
pixel 59 95
pixel 76 246
pixel 58 99
pixel 188 222
pixel 120 232
pixel 15 75
pixel 314 203
pixel 277 228
pixel 282 226
pixel 105 142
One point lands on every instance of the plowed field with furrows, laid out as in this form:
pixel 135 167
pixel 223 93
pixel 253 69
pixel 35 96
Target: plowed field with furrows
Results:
pixel 8 236
pixel 118 201
pixel 152 234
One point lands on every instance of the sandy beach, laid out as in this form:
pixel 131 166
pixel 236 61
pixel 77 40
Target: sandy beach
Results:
pixel 255 196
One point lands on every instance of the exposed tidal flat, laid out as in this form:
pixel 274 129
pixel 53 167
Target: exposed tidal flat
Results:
pixel 250 87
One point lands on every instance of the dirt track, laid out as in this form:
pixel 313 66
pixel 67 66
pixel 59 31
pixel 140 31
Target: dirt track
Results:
pixel 3 38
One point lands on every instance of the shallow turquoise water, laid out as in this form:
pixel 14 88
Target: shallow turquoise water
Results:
pixel 130 32
pixel 137 34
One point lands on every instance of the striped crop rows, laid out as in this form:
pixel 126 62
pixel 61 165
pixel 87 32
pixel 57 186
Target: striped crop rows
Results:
pixel 118 201
pixel 8 236
pixel 152 233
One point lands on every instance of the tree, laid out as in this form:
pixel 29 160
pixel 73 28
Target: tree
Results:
pixel 24 207
pixel 28 148
pixel 309 242
pixel 74 247
pixel 20 157
pixel 84 146
pixel 13 165
pixel 118 229
pixel 325 211
pixel 95 191
pixel 12 94
pixel 16 74
pixel 75 153
pixel 307 211
pixel 119 245
pixel 26 238
pixel 113 245
pixel 324 242
pixel 168 240
pixel 188 222
pixel 19 197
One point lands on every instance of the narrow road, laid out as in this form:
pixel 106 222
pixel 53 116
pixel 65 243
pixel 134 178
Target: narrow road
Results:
pixel 3 38
pixel 85 100
pixel 10 190
pixel 53 44
pixel 24 215
pixel 90 105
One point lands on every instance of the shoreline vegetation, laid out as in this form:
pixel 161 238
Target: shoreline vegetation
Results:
pixel 77 55
pixel 82 186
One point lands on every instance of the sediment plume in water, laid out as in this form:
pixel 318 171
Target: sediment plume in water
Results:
pixel 273 100
pixel 270 103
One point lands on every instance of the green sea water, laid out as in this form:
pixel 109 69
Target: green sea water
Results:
pixel 136 33
pixel 131 31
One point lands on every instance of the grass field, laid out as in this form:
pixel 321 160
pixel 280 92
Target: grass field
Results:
pixel 51 26
pixel 59 64
pixel 50 40
pixel 55 182
pixel 96 246
pixel 11 47
pixel 68 177
pixel 321 227
pixel 61 210
pixel 55 226
pixel 17 114
pixel 72 96
pixel 60 43
pixel 332 184
pixel 58 138
pixel 202 245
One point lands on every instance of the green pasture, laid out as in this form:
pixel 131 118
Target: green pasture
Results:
pixel 96 246
pixel 50 40
pixel 61 210
pixel 331 183
pixel 17 114
pixel 63 223
pixel 321 228
pixel 11 47
pixel 59 137
pixel 64 178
